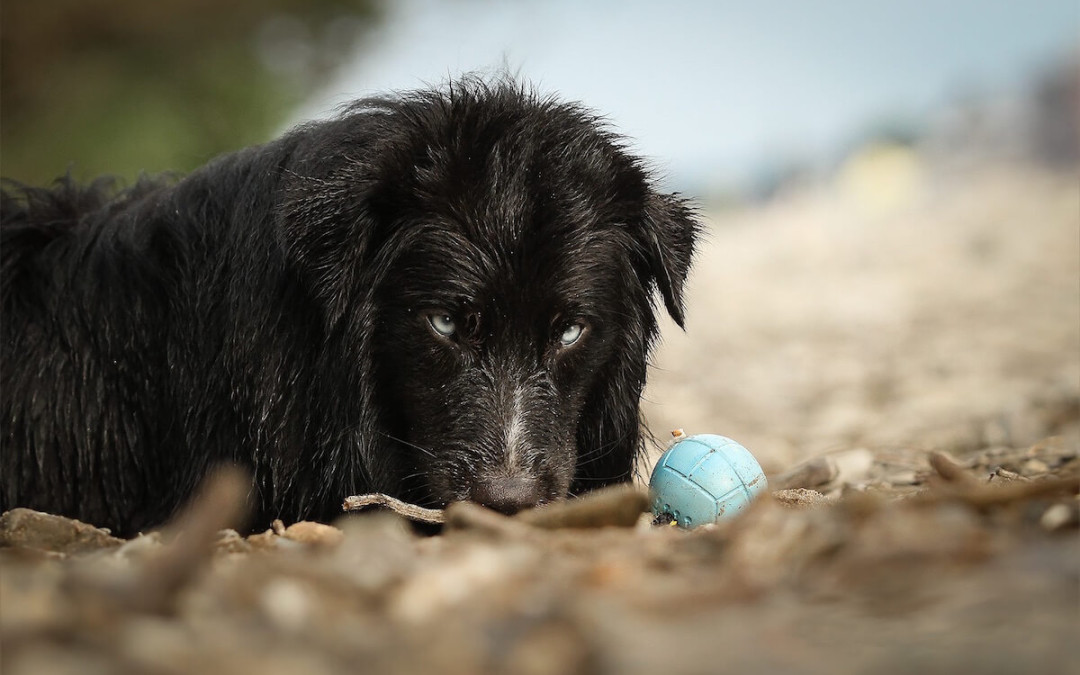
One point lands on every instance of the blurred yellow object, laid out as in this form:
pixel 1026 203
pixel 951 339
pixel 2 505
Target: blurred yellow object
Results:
pixel 881 178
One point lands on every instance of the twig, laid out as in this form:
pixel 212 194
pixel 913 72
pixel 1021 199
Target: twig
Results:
pixel 154 587
pixel 962 486
pixel 618 506
pixel 951 471
pixel 221 503
pixel 410 511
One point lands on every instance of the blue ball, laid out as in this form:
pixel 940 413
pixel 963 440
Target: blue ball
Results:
pixel 705 478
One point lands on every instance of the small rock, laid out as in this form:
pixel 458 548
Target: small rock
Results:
pixel 265 541
pixel 800 497
pixel 26 528
pixel 1005 475
pixel 1060 516
pixel 470 576
pixel 902 478
pixel 287 603
pixel 141 547
pixel 316 534
pixel 1035 467
pixel 230 541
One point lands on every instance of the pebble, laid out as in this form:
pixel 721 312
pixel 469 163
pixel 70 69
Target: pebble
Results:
pixel 1060 516
pixel 26 528
pixel 316 534
pixel 1035 467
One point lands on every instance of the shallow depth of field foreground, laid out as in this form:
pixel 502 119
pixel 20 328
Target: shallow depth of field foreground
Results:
pixel 899 347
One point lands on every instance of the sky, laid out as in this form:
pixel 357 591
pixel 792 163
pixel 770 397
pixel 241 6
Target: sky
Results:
pixel 715 90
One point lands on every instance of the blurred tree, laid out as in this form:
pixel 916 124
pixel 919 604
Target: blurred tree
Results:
pixel 125 86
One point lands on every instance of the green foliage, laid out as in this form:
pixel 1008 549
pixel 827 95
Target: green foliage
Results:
pixel 127 86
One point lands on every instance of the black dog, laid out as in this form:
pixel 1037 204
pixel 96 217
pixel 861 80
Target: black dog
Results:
pixel 444 295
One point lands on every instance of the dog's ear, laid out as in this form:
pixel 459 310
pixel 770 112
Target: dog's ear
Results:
pixel 669 230
pixel 324 233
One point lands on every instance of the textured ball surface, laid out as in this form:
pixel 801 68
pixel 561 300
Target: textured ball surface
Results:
pixel 705 478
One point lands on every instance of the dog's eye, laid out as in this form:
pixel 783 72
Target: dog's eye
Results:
pixel 443 324
pixel 571 334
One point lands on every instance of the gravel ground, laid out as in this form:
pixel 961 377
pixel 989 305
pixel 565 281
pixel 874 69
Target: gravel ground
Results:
pixel 905 364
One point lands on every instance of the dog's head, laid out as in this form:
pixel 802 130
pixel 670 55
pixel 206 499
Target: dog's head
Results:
pixel 498 252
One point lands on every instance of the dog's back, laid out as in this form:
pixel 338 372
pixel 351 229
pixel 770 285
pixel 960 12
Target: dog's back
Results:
pixel 36 222
pixel 30 220
pixel 73 384
pixel 142 341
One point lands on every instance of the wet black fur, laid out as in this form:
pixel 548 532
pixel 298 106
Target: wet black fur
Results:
pixel 273 309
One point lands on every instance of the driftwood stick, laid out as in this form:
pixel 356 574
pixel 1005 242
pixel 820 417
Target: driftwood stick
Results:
pixel 809 474
pixel 951 471
pixel 220 503
pixel 615 506
pixel 410 511
pixel 986 495
pixel 962 486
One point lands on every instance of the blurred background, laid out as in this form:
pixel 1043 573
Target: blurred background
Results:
pixel 723 96
pixel 890 190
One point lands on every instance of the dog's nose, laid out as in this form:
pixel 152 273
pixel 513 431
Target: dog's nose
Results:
pixel 504 494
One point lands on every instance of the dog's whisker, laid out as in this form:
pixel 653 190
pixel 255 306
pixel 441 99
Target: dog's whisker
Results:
pixel 422 449
pixel 601 451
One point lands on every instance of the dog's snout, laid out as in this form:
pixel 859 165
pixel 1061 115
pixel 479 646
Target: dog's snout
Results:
pixel 505 494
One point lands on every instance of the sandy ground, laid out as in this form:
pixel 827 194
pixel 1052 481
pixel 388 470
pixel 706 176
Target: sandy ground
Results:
pixel 901 350
pixel 827 320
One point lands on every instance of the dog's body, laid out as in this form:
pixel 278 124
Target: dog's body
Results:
pixel 440 296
